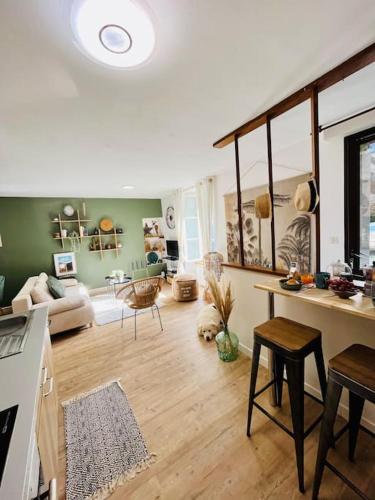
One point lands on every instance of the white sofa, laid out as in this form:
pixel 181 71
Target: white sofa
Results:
pixel 72 311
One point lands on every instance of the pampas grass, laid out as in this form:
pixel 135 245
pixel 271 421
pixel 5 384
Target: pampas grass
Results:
pixel 222 297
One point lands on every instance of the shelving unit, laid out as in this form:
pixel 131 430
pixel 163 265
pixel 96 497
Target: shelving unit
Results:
pixel 78 221
pixel 102 235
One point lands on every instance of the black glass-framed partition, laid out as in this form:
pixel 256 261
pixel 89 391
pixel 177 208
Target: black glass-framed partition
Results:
pixel 270 241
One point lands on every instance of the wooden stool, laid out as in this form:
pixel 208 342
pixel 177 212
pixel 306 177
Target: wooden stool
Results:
pixel 291 343
pixel 353 369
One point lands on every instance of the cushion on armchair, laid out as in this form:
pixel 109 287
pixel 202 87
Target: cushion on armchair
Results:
pixel 65 304
pixel 55 287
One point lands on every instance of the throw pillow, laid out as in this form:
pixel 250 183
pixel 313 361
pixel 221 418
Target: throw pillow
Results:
pixel 55 287
pixel 40 295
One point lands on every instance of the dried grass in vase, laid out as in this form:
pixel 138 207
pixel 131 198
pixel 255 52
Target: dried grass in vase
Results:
pixel 227 342
pixel 222 297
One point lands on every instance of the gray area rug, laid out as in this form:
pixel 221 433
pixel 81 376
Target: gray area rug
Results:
pixel 104 446
pixel 108 309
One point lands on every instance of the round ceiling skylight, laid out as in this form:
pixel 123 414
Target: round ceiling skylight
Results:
pixel 118 33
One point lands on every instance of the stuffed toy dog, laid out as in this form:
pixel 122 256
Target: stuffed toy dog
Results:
pixel 209 322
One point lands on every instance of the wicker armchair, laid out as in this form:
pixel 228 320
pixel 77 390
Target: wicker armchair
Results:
pixel 141 294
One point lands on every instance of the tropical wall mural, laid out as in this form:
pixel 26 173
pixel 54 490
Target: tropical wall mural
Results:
pixel 292 230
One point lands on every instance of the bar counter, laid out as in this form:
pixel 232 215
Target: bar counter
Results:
pixel 357 305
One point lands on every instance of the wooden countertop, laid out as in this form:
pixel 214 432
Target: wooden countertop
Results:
pixel 357 306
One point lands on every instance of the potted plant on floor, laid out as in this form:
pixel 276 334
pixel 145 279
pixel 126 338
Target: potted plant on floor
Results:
pixel 226 341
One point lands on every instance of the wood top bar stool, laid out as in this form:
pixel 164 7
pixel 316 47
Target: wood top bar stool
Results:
pixel 291 343
pixel 353 369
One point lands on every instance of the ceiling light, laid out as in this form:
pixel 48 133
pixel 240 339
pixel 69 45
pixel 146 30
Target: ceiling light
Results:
pixel 128 187
pixel 118 33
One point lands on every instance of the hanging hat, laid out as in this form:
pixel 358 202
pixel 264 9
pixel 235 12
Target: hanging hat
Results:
pixel 306 198
pixel 263 206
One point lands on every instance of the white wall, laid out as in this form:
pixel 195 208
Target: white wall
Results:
pixel 168 201
pixel 339 330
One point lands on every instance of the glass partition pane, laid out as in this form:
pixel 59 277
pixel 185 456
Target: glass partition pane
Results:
pixel 344 100
pixel 228 234
pixel 367 203
pixel 256 208
pixel 291 156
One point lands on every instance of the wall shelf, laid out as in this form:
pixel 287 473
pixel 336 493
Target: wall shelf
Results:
pixel 78 221
pixel 101 236
pixel 69 220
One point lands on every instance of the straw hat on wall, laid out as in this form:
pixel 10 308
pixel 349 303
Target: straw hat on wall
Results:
pixel 306 198
pixel 263 206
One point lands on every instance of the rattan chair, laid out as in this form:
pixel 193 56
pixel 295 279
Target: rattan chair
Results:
pixel 141 294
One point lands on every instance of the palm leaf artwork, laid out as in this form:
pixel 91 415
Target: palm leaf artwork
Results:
pixel 233 239
pixel 295 245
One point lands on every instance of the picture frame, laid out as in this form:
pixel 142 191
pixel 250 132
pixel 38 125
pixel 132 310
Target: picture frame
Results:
pixel 65 264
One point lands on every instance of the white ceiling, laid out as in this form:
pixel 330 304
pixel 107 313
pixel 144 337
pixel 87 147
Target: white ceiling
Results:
pixel 70 127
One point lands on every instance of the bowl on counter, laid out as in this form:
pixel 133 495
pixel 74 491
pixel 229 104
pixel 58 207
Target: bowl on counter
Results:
pixel 342 288
pixel 344 294
pixel 292 287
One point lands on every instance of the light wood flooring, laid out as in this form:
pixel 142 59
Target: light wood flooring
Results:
pixel 192 410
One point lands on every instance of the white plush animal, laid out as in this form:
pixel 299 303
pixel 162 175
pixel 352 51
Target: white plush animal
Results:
pixel 209 322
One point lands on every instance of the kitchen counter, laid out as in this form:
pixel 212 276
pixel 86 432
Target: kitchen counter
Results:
pixel 19 385
pixel 358 305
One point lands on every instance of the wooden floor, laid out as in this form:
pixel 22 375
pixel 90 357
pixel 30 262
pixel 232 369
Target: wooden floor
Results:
pixel 192 409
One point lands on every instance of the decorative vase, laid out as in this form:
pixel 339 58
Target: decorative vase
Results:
pixel 227 345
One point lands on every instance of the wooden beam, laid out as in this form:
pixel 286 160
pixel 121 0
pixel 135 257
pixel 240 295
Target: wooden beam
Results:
pixel 239 202
pixel 343 70
pixel 316 168
pixel 270 187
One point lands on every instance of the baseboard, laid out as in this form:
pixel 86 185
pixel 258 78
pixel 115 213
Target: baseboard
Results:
pixel 98 291
pixel 249 352
pixel 343 410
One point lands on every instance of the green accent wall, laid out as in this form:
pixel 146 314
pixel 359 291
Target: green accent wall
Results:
pixel 28 246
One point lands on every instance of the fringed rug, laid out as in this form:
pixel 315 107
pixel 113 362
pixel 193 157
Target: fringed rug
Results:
pixel 104 446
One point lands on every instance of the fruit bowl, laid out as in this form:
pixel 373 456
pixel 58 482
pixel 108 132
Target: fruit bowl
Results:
pixel 342 288
pixel 344 294
pixel 295 287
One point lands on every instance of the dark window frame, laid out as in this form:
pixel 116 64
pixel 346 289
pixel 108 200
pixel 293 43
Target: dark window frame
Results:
pixel 352 145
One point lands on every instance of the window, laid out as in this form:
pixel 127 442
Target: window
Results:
pixel 191 226
pixel 360 198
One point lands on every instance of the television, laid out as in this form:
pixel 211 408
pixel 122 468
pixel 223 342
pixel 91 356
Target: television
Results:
pixel 172 248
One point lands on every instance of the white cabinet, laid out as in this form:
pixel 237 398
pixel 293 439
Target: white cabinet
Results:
pixel 47 423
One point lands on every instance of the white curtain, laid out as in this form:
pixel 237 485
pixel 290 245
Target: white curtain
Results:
pixel 179 218
pixel 205 190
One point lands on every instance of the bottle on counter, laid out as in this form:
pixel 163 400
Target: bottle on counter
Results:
pixel 369 288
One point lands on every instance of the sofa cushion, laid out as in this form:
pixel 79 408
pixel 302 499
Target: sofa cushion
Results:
pixel 67 282
pixel 55 287
pixel 39 294
pixel 65 304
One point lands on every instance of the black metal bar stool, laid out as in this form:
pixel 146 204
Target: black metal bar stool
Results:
pixel 353 369
pixel 291 343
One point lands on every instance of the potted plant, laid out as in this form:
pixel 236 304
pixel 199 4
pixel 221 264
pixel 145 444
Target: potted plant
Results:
pixel 226 341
